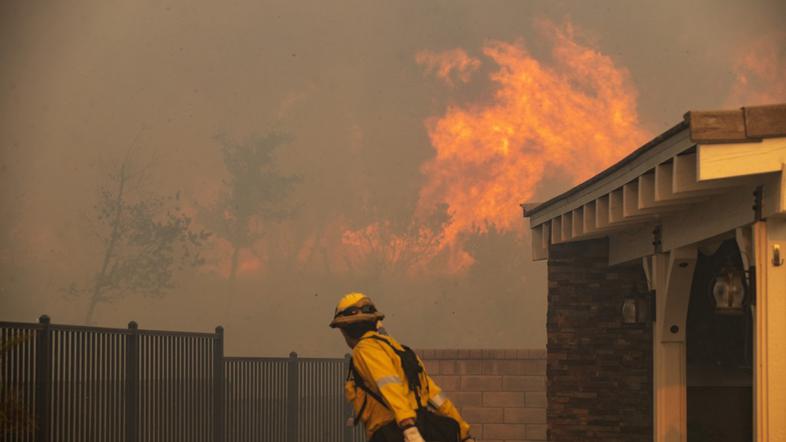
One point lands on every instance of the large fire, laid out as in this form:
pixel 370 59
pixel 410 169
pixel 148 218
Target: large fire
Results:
pixel 570 117
pixel 565 118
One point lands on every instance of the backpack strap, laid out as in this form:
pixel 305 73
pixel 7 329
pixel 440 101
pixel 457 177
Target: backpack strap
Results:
pixel 412 375
pixel 413 378
pixel 360 383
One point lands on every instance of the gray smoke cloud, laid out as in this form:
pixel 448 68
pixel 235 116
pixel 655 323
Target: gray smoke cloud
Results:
pixel 81 81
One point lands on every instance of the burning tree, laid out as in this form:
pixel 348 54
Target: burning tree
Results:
pixel 383 247
pixel 253 192
pixel 145 240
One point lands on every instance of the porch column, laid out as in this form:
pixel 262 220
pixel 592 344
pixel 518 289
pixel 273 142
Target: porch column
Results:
pixel 672 275
pixel 770 363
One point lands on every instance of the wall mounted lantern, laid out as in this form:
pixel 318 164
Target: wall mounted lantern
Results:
pixel 728 290
pixel 636 308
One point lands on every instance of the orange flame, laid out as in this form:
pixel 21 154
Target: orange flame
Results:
pixel 577 116
pixel 445 64
pixel 573 117
pixel 566 118
pixel 760 72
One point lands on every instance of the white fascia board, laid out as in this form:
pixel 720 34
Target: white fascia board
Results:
pixel 718 161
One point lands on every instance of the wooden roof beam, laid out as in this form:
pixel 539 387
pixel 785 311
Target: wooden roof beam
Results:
pixel 583 223
pixel 631 208
pixel 664 186
pixel 540 246
pixel 577 222
pixel 685 178
pixel 609 211
pixel 556 230
pixel 750 123
pixel 589 218
pixel 616 206
pixel 567 226
pixel 602 212
pixel 648 191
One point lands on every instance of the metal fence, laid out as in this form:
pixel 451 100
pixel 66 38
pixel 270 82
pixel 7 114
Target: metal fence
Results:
pixel 287 399
pixel 61 383
pixel 82 373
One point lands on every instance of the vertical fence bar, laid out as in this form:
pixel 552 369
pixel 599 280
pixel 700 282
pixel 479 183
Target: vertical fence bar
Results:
pixel 219 415
pixel 293 398
pixel 43 379
pixel 59 384
pixel 348 411
pixel 72 380
pixel 90 382
pixel 132 383
pixel 81 413
pixel 160 400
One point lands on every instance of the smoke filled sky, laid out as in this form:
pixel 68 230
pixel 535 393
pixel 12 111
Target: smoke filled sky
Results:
pixel 415 130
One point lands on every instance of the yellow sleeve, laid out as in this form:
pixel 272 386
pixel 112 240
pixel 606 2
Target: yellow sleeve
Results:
pixel 382 374
pixel 445 407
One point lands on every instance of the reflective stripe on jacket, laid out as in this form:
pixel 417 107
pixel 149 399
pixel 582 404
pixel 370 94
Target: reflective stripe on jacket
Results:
pixel 381 370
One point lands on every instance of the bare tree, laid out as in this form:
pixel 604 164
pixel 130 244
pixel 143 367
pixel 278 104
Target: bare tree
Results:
pixel 145 240
pixel 254 192
pixel 398 249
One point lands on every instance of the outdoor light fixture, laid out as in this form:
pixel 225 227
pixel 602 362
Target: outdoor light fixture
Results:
pixel 636 308
pixel 728 290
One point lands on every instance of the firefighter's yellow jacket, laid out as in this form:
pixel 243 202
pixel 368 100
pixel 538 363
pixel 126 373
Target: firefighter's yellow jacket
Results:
pixel 381 370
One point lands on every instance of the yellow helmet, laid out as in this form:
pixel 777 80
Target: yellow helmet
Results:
pixel 353 308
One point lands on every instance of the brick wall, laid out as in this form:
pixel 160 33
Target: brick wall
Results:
pixel 599 370
pixel 502 393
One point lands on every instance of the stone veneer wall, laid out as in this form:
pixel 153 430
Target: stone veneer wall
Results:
pixel 599 369
pixel 501 393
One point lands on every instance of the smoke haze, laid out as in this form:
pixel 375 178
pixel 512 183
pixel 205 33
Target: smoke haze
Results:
pixel 409 123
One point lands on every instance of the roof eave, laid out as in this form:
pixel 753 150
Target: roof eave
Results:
pixel 652 144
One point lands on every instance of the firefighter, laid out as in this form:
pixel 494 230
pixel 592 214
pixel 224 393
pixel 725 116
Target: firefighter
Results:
pixel 387 384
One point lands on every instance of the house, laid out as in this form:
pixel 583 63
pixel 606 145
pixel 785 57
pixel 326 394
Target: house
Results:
pixel 667 287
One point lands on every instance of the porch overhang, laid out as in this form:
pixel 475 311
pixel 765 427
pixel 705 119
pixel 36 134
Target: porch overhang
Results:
pixel 713 172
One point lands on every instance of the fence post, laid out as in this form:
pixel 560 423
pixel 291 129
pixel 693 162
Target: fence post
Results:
pixel 293 396
pixel 349 412
pixel 43 381
pixel 132 382
pixel 219 384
